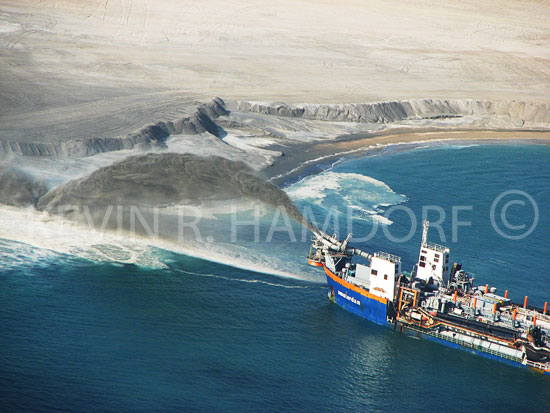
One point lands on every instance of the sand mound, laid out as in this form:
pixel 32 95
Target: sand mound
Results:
pixel 164 179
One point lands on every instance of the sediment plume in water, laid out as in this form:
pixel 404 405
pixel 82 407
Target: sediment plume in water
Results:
pixel 154 179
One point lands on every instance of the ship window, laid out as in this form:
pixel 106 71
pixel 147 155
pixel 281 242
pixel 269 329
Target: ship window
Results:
pixel 385 276
pixel 374 272
pixel 422 264
pixel 433 267
pixel 422 258
pixel 436 259
pixel 423 251
pixel 436 255
pixel 446 259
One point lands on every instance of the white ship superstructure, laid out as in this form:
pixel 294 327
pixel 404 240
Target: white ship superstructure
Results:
pixel 436 300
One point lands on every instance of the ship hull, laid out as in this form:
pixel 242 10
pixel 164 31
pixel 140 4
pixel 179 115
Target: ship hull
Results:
pixel 458 316
pixel 358 302
pixel 462 346
pixel 365 305
pixel 481 353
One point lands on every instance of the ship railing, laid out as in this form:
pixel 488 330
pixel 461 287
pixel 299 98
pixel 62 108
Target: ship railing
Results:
pixel 388 256
pixel 433 246
pixel 537 365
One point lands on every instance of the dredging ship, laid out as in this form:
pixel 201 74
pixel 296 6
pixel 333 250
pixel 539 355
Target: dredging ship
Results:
pixel 437 301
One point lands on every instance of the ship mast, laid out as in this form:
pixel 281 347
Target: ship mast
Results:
pixel 425 232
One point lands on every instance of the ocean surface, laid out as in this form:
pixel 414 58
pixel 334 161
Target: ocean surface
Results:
pixel 175 332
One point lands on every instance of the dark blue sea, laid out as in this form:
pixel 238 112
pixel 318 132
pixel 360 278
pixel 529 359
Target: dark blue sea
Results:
pixel 79 334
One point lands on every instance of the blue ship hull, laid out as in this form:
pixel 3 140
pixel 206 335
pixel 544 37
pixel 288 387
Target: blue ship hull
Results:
pixel 374 309
pixel 357 303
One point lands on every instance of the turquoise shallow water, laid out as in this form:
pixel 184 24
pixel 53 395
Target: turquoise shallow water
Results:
pixel 197 335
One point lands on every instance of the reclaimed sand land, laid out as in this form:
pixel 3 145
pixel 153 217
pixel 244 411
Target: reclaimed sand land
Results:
pixel 76 70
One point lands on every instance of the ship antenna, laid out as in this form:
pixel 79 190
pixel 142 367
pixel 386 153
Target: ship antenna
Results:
pixel 425 232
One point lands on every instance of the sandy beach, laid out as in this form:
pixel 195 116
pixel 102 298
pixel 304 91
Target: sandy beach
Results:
pixel 297 163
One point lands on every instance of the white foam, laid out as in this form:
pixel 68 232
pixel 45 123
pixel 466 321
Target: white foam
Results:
pixel 52 233
pixel 57 235
pixel 321 158
pixel 15 254
pixel 315 187
pixel 336 189
pixel 381 219
pixel 244 280
pixel 473 145
pixel 444 144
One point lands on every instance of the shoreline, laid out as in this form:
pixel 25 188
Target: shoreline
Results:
pixel 305 159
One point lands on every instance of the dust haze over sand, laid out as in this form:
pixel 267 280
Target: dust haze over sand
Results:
pixel 18 188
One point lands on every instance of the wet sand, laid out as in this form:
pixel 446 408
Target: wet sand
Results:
pixel 310 158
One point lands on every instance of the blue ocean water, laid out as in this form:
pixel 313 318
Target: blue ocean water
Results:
pixel 81 335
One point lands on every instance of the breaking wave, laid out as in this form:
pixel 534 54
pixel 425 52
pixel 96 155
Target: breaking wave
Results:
pixel 30 237
pixel 161 182
pixel 338 190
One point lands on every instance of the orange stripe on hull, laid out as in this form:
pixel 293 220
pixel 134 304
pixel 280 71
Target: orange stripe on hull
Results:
pixel 315 263
pixel 354 287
